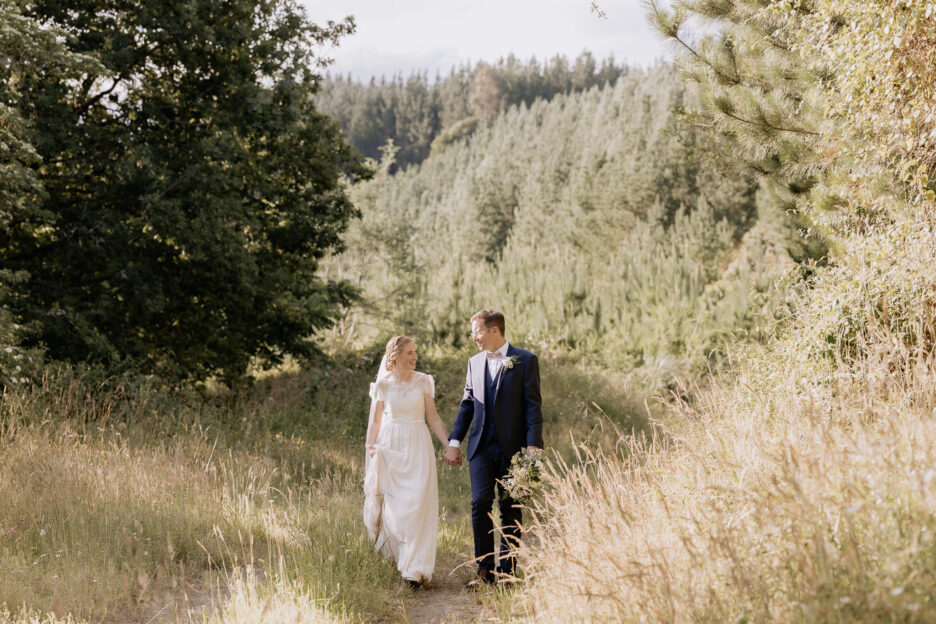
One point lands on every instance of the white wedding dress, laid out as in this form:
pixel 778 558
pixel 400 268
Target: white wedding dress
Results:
pixel 401 493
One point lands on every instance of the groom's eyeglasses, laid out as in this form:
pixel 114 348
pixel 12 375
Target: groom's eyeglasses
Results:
pixel 475 334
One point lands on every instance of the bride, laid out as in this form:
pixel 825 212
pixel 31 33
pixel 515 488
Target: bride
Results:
pixel 401 494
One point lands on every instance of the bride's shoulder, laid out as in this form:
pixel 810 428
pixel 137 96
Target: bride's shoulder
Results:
pixel 421 377
pixel 425 381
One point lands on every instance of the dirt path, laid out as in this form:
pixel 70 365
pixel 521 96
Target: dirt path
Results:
pixel 444 599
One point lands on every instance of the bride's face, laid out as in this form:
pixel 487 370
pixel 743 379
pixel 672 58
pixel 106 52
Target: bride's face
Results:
pixel 408 358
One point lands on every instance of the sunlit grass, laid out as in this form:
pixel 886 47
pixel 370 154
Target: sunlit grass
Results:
pixel 123 502
pixel 251 601
pixel 799 488
pixel 29 616
pixel 111 519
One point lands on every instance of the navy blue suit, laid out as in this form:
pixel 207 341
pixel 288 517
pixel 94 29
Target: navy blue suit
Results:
pixel 504 415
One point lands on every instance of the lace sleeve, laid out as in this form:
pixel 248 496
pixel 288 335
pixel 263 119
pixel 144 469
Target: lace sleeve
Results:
pixel 377 391
pixel 428 385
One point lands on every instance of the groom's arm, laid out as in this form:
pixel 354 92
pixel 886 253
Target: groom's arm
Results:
pixel 533 403
pixel 465 411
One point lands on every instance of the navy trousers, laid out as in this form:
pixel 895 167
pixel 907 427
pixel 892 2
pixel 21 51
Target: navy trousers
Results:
pixel 486 467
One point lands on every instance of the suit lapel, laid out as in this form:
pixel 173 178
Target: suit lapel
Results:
pixel 477 376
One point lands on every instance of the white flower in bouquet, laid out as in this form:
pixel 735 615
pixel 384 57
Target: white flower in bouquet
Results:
pixel 523 476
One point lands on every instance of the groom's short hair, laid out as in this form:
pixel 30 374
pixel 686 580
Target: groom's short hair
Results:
pixel 490 318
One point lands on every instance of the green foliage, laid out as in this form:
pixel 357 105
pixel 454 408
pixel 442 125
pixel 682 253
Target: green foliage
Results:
pixel 420 117
pixel 833 102
pixel 794 482
pixel 755 89
pixel 189 188
pixel 28 52
pixel 592 220
pixel 883 52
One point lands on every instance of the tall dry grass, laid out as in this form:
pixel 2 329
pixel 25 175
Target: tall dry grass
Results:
pixel 249 602
pixel 127 503
pixel 801 487
pixel 124 502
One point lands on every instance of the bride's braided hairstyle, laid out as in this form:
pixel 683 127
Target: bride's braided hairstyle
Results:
pixel 395 348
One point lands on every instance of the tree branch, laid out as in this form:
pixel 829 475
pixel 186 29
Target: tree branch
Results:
pixel 83 108
pixel 769 125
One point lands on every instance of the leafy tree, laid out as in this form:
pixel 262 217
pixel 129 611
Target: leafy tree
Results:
pixel 190 188
pixel 28 52
pixel 761 105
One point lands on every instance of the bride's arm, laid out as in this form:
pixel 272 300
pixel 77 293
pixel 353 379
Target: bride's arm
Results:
pixel 435 421
pixel 374 428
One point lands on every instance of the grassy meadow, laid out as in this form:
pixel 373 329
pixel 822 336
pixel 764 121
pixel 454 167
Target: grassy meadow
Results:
pixel 125 502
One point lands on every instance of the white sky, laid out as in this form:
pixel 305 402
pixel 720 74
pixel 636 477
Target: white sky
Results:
pixel 406 36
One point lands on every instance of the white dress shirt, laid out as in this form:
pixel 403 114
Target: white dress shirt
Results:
pixel 495 364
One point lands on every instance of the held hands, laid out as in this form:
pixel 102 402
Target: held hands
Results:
pixel 453 456
pixel 371 449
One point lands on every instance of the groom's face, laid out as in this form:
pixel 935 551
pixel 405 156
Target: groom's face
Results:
pixel 485 338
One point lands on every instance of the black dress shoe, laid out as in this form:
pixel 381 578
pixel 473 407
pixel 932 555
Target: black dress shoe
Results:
pixel 415 585
pixel 484 579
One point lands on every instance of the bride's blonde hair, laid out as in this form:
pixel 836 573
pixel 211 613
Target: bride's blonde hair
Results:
pixel 394 349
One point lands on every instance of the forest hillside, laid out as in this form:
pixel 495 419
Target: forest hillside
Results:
pixel 595 220
pixel 422 115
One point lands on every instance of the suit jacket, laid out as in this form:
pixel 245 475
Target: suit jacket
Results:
pixel 518 416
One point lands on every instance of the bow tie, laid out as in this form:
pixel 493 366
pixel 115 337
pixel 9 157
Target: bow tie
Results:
pixel 493 355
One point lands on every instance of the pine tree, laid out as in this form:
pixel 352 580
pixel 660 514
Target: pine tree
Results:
pixel 755 88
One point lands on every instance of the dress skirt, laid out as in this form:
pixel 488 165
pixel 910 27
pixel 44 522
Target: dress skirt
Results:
pixel 401 504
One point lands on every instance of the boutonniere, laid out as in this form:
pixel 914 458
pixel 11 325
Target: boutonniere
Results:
pixel 509 362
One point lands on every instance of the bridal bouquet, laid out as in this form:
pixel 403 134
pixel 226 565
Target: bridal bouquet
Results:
pixel 523 476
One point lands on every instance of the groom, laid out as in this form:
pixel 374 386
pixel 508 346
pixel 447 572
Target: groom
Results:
pixel 501 405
